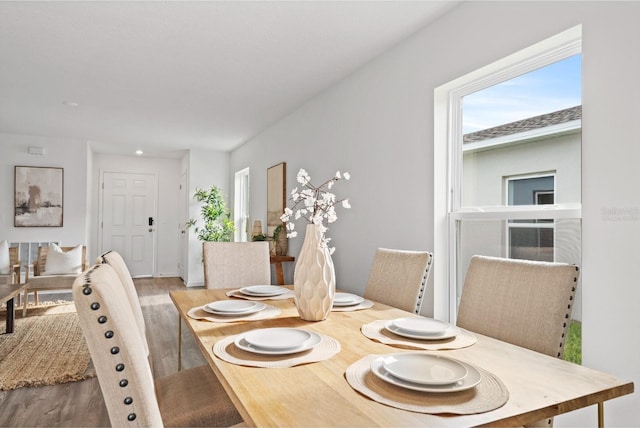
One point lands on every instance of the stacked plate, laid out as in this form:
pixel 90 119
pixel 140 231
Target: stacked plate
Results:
pixel 421 328
pixel 277 340
pixel 233 307
pixel 263 290
pixel 425 372
pixel 347 299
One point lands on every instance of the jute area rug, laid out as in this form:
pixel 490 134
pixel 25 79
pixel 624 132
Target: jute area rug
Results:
pixel 46 348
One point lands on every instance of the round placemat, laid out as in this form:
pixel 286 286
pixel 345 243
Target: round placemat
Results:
pixel 226 350
pixel 376 331
pixel 238 294
pixel 366 304
pixel 200 314
pixel 488 395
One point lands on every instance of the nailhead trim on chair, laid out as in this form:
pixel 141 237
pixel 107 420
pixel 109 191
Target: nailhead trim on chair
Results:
pixel 566 316
pixel 109 334
pixel 423 286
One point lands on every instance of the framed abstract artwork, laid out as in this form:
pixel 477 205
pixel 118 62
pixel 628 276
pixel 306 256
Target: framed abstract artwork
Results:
pixel 38 196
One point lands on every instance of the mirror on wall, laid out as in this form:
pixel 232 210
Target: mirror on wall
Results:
pixel 276 199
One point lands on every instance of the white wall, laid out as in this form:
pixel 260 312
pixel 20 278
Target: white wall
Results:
pixel 167 172
pixel 64 153
pixel 378 124
pixel 205 168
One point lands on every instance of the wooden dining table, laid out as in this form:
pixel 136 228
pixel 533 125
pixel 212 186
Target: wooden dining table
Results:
pixel 318 394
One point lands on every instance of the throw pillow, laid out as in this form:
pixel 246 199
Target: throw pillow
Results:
pixel 60 262
pixel 4 258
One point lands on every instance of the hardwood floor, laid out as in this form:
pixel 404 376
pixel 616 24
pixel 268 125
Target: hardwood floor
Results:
pixel 80 404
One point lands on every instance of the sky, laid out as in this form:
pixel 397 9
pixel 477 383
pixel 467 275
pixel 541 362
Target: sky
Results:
pixel 551 88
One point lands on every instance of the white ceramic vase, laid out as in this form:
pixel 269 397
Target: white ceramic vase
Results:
pixel 314 278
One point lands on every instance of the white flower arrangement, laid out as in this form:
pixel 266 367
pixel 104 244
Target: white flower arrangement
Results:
pixel 314 203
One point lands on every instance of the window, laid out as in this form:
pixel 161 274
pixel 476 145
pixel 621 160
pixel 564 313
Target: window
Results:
pixel 241 205
pixel 507 184
pixel 531 239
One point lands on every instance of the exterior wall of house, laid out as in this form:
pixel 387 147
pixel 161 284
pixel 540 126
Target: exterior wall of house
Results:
pixel 485 173
pixel 378 124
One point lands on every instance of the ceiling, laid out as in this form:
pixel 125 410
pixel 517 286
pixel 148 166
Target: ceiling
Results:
pixel 172 75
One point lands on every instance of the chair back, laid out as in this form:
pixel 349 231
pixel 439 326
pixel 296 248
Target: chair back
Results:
pixel 398 278
pixel 14 265
pixel 117 349
pixel 526 303
pixel 39 265
pixel 236 264
pixel 118 264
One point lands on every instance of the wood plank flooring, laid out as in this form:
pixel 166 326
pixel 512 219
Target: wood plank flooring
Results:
pixel 80 404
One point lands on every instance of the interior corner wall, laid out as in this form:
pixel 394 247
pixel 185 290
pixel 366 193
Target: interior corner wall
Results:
pixel 205 169
pixel 378 124
pixel 64 153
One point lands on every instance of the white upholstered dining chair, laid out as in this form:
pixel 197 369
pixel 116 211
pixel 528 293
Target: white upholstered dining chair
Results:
pixel 192 397
pixel 236 264
pixel 526 303
pixel 115 260
pixel 398 278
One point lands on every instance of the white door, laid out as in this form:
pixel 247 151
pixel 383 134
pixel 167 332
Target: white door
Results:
pixel 128 219
pixel 184 236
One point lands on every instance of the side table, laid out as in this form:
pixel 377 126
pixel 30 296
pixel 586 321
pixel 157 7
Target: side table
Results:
pixel 277 261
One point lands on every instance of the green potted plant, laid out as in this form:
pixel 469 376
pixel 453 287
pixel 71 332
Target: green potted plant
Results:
pixel 217 223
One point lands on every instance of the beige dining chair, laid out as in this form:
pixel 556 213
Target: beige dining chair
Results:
pixel 192 397
pixel 236 264
pixel 115 260
pixel 526 303
pixel 398 278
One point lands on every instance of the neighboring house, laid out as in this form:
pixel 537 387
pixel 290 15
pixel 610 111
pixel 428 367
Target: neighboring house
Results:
pixel 534 161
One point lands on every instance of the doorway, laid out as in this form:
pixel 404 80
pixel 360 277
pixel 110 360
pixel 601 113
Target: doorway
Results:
pixel 129 219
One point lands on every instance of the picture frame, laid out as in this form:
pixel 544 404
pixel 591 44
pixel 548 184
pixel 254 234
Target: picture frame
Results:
pixel 276 197
pixel 38 196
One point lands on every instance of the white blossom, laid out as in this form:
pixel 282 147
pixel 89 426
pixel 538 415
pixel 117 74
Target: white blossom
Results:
pixel 315 204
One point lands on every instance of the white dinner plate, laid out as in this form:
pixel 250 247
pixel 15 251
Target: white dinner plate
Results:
pixel 263 290
pixel 242 343
pixel 277 338
pixel 450 332
pixel 472 379
pixel 347 299
pixel 424 369
pixel 421 325
pixel 233 307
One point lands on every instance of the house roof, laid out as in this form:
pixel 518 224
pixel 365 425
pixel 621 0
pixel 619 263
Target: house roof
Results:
pixel 531 123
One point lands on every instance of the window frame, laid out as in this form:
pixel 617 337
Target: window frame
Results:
pixel 242 181
pixel 448 154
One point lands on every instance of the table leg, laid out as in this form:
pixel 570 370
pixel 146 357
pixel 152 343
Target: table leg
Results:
pixel 279 273
pixel 10 316
pixel 179 343
pixel 601 414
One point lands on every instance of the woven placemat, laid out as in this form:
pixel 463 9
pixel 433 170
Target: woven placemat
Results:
pixel 238 294
pixel 198 313
pixel 366 304
pixel 488 395
pixel 376 331
pixel 226 350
